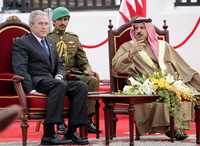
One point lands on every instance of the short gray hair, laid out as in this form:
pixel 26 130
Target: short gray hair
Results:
pixel 35 14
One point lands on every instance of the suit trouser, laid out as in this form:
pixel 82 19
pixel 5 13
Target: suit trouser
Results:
pixel 93 85
pixel 56 90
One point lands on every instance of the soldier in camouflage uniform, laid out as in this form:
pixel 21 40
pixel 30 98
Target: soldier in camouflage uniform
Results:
pixel 76 63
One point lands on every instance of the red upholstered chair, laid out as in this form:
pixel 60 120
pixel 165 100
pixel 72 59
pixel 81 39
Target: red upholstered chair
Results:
pixel 116 38
pixel 11 91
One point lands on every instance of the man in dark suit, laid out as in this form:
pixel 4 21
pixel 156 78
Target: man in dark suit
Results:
pixel 35 59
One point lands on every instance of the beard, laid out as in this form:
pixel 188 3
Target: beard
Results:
pixel 139 38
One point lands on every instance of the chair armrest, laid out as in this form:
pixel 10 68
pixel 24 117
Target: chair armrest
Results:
pixel 116 74
pixel 121 76
pixel 16 79
pixel 10 77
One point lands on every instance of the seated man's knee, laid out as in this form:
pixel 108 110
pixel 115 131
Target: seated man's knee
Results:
pixel 94 80
pixel 82 85
pixel 93 84
pixel 61 84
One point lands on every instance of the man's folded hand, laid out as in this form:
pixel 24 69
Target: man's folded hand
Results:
pixel 73 77
pixel 34 92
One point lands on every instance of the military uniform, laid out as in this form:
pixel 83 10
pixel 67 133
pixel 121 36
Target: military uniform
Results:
pixel 70 50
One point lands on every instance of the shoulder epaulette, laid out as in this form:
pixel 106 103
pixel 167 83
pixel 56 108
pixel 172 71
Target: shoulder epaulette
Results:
pixel 71 33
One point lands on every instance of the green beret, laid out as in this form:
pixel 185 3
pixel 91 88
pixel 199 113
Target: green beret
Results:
pixel 60 12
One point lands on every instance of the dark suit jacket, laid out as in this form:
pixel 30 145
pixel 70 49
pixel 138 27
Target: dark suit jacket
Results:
pixel 30 61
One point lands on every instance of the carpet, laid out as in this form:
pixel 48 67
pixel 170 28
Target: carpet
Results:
pixel 13 133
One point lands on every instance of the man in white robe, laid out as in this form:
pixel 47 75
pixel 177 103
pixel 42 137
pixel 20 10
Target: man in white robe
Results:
pixel 145 54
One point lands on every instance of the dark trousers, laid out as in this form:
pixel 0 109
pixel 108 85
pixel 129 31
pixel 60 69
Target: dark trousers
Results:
pixel 76 91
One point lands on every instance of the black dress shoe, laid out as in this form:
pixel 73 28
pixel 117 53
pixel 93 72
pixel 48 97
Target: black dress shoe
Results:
pixel 61 129
pixel 92 128
pixel 179 135
pixel 54 140
pixel 75 139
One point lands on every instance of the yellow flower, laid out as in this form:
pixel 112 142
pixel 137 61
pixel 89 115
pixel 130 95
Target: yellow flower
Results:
pixel 160 83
